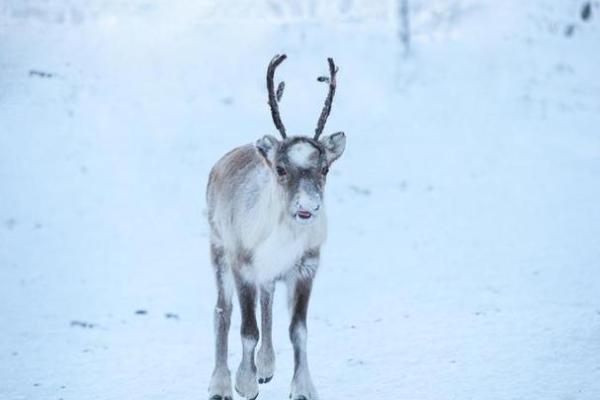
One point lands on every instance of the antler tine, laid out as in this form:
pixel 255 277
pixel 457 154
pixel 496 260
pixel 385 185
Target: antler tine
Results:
pixel 329 99
pixel 274 97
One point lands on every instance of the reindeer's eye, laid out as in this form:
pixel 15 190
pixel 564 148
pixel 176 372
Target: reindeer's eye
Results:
pixel 325 170
pixel 281 171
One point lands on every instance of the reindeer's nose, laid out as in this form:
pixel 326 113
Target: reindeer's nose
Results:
pixel 307 205
pixel 310 206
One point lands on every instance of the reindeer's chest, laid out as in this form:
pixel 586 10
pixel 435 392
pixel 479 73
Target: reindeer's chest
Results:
pixel 282 250
pixel 275 256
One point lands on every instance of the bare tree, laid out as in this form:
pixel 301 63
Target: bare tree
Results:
pixel 404 25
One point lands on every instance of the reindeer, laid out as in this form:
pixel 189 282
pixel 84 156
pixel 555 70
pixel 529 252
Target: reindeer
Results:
pixel 267 222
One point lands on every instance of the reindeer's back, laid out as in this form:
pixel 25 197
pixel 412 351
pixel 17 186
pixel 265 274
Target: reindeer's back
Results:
pixel 231 171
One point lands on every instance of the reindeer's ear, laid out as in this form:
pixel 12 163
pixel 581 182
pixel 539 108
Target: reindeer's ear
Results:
pixel 334 146
pixel 267 147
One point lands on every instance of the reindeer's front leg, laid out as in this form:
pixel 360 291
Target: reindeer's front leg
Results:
pixel 265 361
pixel 299 288
pixel 245 382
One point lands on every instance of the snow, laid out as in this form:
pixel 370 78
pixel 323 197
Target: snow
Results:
pixel 464 226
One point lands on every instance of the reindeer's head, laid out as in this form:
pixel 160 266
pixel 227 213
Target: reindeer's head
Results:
pixel 300 163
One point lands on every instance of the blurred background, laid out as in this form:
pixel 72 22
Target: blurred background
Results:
pixel 463 258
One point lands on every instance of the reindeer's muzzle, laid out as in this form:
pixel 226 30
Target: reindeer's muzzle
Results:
pixel 307 206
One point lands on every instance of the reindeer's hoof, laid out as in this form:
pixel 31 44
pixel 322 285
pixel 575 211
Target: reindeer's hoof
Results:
pixel 220 385
pixel 243 395
pixel 303 389
pixel 265 364
pixel 246 383
pixel 219 397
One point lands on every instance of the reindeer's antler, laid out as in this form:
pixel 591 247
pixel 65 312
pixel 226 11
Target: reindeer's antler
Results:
pixel 275 97
pixel 329 99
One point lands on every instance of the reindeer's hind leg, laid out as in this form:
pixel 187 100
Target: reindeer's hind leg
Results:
pixel 220 383
pixel 265 358
pixel 299 285
pixel 245 379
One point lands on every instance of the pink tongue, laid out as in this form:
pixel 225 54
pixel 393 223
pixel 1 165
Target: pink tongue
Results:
pixel 304 214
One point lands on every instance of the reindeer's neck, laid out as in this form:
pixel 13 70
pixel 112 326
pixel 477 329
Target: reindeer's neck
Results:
pixel 271 216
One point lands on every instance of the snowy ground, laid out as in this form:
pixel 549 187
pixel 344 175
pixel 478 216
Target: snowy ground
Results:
pixel 463 260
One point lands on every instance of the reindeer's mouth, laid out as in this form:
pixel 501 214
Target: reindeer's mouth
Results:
pixel 304 214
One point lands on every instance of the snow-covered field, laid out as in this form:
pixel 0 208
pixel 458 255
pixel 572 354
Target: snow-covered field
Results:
pixel 463 259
